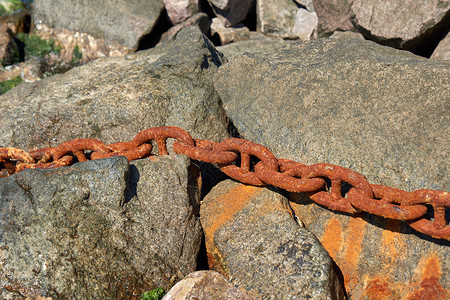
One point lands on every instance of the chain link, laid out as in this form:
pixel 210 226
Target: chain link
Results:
pixel 335 187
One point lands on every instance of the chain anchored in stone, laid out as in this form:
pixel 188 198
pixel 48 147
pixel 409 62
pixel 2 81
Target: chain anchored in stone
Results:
pixel 289 175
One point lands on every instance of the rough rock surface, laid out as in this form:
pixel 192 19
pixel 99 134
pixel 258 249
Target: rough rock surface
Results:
pixel 199 20
pixel 181 10
pixel 5 44
pixel 229 34
pixel 442 51
pixel 276 18
pixel 252 239
pixel 112 99
pixel 29 71
pixel 411 23
pixel 122 22
pixel 257 43
pixel 379 258
pixel 104 229
pixel 205 285
pixel 380 111
pixel 333 16
pixel 231 12
pixel 305 24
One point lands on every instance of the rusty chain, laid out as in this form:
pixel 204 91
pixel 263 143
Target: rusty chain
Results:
pixel 323 182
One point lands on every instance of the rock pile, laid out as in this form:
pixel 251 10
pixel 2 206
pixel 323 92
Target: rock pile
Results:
pixel 85 31
pixel 113 229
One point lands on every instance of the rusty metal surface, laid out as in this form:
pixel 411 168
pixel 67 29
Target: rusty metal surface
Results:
pixel 335 187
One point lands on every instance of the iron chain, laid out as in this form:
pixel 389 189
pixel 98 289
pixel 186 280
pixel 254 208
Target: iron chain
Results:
pixel 292 176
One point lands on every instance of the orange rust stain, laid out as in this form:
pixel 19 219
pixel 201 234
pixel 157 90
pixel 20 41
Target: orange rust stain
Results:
pixel 393 241
pixel 353 241
pixel 430 288
pixel 379 289
pixel 225 207
pixel 332 239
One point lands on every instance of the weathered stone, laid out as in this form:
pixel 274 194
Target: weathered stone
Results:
pixel 74 43
pixel 112 99
pixel 205 285
pixel 379 111
pixel 229 34
pixel 411 23
pixel 181 10
pixel 252 239
pixel 276 18
pixel 120 22
pixel 379 258
pixel 231 12
pixel 103 229
pixel 442 51
pixel 29 71
pixel 333 16
pixel 199 20
pixel 305 24
pixel 258 43
pixel 9 51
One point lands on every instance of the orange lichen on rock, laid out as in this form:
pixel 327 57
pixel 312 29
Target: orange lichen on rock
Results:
pixel 392 240
pixel 225 207
pixel 344 245
pixel 379 289
pixel 333 237
pixel 430 288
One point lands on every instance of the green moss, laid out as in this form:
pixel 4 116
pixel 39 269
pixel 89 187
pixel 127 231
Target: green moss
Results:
pixel 155 294
pixel 76 56
pixel 10 6
pixel 9 84
pixel 36 46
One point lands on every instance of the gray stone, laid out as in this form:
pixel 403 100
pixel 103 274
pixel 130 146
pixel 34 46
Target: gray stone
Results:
pixel 411 23
pixel 199 20
pixel 257 43
pixel 103 229
pixel 112 99
pixel 122 22
pixel 180 10
pixel 442 51
pixel 229 34
pixel 205 285
pixel 333 16
pixel 276 18
pixel 231 12
pixel 252 239
pixel 377 110
pixel 378 258
pixel 305 24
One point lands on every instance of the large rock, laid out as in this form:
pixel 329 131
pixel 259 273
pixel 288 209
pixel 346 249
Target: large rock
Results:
pixel 379 258
pixel 442 51
pixel 231 12
pixel 112 99
pixel 252 238
pixel 104 229
pixel 276 18
pixel 333 16
pixel 181 10
pixel 205 285
pixel 122 22
pixel 257 43
pixel 412 24
pixel 199 20
pixel 349 102
pixel 305 24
